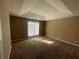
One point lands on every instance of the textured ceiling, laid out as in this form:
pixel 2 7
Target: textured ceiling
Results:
pixel 43 9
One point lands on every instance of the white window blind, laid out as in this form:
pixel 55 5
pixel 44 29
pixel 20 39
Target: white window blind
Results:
pixel 33 28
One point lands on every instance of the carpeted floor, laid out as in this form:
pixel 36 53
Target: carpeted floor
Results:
pixel 43 48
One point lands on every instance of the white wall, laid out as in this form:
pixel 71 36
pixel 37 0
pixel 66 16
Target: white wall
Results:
pixel 4 30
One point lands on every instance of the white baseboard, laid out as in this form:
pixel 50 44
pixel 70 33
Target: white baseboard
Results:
pixel 9 52
pixel 64 41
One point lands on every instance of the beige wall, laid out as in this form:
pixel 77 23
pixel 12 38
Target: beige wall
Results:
pixel 5 30
pixel 65 29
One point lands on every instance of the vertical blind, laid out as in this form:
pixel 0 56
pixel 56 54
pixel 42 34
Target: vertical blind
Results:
pixel 33 28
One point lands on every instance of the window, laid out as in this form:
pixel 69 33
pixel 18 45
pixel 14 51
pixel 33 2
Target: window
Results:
pixel 33 28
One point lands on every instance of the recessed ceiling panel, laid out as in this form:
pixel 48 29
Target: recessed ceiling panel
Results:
pixel 15 6
pixel 59 5
pixel 44 9
pixel 72 5
pixel 50 11
pixel 27 5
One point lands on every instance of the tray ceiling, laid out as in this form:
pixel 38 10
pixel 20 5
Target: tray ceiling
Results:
pixel 43 9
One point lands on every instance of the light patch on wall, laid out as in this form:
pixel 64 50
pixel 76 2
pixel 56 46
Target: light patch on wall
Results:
pixel 0 30
pixel 1 43
pixel 44 41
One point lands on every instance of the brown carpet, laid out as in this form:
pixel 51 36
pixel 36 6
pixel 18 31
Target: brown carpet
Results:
pixel 34 49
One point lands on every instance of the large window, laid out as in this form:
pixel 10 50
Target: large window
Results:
pixel 33 28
